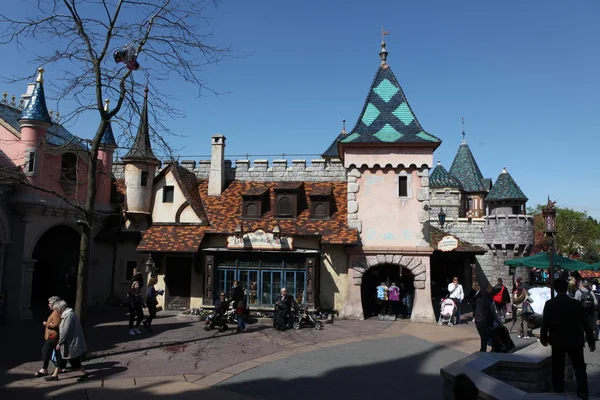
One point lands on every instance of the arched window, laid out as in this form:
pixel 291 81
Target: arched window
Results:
pixel 469 203
pixel 251 210
pixel 284 207
pixel 68 169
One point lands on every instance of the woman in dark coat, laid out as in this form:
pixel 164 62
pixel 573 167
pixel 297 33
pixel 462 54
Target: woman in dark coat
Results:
pixel 485 316
pixel 282 310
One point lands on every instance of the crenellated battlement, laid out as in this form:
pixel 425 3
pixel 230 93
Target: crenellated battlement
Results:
pixel 319 170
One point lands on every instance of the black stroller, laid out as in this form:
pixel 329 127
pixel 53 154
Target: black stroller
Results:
pixel 218 318
pixel 501 341
pixel 302 316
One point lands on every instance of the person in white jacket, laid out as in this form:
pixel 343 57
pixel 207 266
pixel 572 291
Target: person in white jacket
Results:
pixel 457 294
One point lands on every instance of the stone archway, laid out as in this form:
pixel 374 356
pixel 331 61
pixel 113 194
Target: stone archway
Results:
pixel 418 265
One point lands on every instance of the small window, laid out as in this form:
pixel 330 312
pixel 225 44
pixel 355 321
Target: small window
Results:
pixel 470 204
pixel 144 180
pixel 68 169
pixel 403 186
pixel 321 211
pixel 284 206
pixel 129 269
pixel 516 210
pixel 251 210
pixel 31 162
pixel 168 193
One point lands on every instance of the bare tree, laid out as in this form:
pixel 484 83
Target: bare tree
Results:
pixel 89 39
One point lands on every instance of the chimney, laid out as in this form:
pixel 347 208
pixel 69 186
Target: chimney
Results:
pixel 26 96
pixel 216 180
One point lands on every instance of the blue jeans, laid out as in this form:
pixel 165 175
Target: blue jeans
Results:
pixel 458 303
pixel 242 324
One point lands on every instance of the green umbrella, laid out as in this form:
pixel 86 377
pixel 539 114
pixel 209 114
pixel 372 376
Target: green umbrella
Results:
pixel 542 260
pixel 595 266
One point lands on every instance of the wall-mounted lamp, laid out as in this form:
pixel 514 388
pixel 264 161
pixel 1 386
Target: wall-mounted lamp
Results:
pixel 442 217
pixel 150 265
pixel 276 232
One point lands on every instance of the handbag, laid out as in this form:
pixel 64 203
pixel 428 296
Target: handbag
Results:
pixel 526 308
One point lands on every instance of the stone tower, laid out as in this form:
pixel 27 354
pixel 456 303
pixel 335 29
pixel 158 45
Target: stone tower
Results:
pixel 140 168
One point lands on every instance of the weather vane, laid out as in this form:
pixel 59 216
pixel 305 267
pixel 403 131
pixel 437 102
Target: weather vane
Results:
pixel 463 127
pixel 384 33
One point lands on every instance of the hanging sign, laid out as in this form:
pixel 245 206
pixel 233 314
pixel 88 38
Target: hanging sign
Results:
pixel 259 240
pixel 448 243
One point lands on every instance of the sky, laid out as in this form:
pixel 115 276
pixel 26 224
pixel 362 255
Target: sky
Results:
pixel 524 75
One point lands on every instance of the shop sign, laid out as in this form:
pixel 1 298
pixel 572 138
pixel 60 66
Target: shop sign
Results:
pixel 448 243
pixel 259 240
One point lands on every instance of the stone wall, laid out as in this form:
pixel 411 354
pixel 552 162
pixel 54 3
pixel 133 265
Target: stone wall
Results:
pixel 446 198
pixel 318 170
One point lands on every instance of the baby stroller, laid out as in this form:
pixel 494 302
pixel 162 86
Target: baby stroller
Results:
pixel 448 309
pixel 302 316
pixel 218 319
pixel 501 341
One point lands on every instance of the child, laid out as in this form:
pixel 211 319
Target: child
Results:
pixel 152 302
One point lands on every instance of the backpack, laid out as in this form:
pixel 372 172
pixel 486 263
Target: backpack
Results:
pixel 587 300
pixel 498 297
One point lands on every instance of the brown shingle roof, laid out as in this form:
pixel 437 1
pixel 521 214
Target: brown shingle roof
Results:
pixel 172 238
pixel 256 191
pixel 224 213
pixel 438 234
pixel 288 185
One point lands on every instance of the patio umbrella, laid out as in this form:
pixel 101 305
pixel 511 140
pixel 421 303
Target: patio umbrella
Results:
pixel 542 260
pixel 595 266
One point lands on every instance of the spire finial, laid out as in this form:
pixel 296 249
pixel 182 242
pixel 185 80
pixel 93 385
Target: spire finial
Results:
pixel 106 103
pixel 40 77
pixel 383 53
pixel 439 162
pixel 343 127
pixel 463 130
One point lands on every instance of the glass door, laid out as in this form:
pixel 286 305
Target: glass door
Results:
pixel 225 278
pixel 295 285
pixel 270 286
pixel 249 282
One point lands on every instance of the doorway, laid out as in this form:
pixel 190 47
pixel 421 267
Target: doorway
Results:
pixel 56 252
pixel 178 282
pixel 389 274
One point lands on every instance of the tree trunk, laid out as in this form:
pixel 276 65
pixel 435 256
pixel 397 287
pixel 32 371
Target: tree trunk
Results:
pixel 86 231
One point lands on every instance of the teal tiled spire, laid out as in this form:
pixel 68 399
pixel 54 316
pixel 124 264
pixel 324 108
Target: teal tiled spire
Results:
pixel 441 178
pixel 465 169
pixel 35 109
pixel 505 188
pixel 108 138
pixel 386 116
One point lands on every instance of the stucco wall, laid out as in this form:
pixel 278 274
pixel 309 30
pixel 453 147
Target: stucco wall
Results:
pixel 138 197
pixel 388 219
pixel 166 212
pixel 334 276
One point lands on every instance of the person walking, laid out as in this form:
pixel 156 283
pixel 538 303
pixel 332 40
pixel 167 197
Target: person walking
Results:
pixel 564 324
pixel 485 316
pixel 50 336
pixel 151 302
pixel 520 300
pixel 136 313
pixel 241 312
pixel 588 300
pixel 501 299
pixel 457 294
pixel 71 343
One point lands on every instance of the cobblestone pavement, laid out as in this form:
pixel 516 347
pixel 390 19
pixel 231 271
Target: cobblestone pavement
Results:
pixel 181 358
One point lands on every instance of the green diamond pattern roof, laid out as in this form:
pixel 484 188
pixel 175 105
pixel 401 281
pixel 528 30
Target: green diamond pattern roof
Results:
pixel 386 90
pixel 370 115
pixel 441 178
pixel 394 121
pixel 465 169
pixel 505 188
pixel 404 114
pixel 388 134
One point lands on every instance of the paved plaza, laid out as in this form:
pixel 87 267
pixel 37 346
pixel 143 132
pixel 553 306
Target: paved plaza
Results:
pixel 347 359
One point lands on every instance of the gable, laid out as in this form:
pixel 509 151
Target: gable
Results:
pixel 174 207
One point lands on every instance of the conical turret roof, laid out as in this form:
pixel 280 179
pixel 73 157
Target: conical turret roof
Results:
pixel 465 169
pixel 108 138
pixel 441 178
pixel 505 188
pixel 35 109
pixel 386 116
pixel 142 147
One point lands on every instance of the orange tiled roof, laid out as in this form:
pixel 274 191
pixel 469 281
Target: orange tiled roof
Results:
pixel 589 274
pixel 224 214
pixel 172 238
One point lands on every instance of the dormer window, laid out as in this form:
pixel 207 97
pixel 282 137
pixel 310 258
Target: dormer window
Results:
pixel 286 199
pixel 320 203
pixel 68 169
pixel 255 202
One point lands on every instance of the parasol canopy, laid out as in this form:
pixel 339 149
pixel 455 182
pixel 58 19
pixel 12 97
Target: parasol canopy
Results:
pixel 542 260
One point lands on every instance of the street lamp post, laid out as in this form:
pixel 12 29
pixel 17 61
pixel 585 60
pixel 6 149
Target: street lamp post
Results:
pixel 151 266
pixel 549 214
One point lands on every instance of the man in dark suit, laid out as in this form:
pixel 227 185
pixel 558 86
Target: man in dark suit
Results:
pixel 563 326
